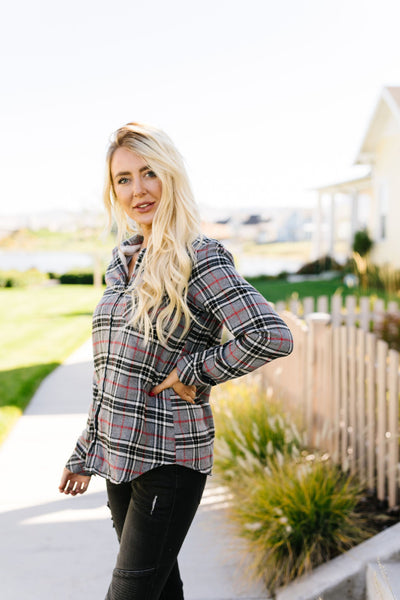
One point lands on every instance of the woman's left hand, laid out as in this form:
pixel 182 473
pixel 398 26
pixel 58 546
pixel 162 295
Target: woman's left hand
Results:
pixel 186 392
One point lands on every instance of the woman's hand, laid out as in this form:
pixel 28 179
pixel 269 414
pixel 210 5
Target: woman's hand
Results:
pixel 73 484
pixel 186 392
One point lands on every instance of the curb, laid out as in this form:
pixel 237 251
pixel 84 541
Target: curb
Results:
pixel 344 577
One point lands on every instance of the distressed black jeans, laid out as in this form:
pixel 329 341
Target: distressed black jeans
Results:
pixel 152 515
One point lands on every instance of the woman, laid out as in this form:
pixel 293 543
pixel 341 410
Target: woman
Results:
pixel 157 352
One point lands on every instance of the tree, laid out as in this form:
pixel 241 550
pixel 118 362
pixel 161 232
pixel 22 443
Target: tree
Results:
pixel 362 245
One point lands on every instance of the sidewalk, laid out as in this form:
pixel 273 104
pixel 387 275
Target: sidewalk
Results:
pixel 55 547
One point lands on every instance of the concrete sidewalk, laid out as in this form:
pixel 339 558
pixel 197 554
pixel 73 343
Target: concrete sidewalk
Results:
pixel 55 547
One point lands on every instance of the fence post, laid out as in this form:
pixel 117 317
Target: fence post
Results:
pixel 352 428
pixel 364 313
pixel 308 306
pixel 336 394
pixel 393 307
pixel 280 306
pixel 361 399
pixel 393 428
pixel 378 312
pixel 322 304
pixel 317 323
pixel 351 306
pixel 336 310
pixel 344 399
pixel 294 306
pixel 381 441
pixel 371 409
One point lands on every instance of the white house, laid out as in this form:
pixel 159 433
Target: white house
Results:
pixel 377 193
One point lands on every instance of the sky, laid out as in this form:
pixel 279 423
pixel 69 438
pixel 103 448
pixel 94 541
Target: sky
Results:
pixel 265 100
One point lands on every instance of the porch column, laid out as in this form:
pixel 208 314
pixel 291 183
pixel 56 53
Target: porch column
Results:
pixel 353 216
pixel 331 225
pixel 318 228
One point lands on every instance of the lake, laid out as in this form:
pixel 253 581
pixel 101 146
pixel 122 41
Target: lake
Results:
pixel 61 262
pixel 47 262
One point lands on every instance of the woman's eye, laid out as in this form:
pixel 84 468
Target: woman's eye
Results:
pixel 122 180
pixel 150 174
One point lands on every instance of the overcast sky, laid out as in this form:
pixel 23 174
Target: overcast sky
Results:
pixel 265 99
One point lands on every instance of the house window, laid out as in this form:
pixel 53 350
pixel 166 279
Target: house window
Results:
pixel 382 211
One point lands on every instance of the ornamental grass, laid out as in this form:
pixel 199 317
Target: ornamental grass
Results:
pixel 296 509
pixel 251 428
pixel 297 514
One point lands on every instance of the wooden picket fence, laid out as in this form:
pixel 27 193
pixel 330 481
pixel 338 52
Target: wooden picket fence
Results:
pixel 364 311
pixel 344 383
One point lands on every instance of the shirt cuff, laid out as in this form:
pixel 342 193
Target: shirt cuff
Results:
pixel 190 372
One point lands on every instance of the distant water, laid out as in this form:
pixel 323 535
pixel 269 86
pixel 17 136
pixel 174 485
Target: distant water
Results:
pixel 61 262
pixel 251 266
pixel 48 262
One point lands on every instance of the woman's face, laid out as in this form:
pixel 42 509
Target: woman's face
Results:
pixel 136 186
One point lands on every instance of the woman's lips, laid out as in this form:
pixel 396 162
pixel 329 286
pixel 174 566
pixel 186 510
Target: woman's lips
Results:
pixel 144 206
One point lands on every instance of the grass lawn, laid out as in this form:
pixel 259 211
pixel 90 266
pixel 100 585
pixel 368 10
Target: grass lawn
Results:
pixel 40 328
pixel 275 289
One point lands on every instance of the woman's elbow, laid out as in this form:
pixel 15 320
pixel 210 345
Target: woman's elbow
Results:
pixel 273 342
pixel 280 339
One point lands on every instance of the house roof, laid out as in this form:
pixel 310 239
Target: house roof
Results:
pixel 388 106
pixel 346 187
pixel 395 93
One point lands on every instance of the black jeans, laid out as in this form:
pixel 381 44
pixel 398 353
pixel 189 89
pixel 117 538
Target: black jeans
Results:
pixel 152 515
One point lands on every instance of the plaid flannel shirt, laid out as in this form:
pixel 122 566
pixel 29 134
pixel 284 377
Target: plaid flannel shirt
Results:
pixel 129 432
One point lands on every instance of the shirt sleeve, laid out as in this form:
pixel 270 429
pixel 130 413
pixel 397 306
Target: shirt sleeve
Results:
pixel 259 333
pixel 76 462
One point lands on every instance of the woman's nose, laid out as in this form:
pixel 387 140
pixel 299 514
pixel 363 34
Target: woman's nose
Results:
pixel 138 187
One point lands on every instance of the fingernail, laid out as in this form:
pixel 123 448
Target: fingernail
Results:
pixel 151 394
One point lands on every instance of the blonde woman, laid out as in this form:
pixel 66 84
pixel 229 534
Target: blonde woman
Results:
pixel 157 353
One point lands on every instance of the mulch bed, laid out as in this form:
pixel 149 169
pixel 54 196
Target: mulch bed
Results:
pixel 378 516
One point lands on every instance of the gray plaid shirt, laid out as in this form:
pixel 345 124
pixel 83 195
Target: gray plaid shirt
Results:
pixel 129 432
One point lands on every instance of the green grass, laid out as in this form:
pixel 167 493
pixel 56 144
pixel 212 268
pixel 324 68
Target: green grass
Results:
pixel 40 327
pixel 275 290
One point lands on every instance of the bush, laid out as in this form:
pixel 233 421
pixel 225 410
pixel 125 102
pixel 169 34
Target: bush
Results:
pixel 362 243
pixel 389 330
pixel 375 277
pixel 388 278
pixel 297 515
pixel 13 278
pixel 316 267
pixel 250 430
pixel 296 509
pixel 78 278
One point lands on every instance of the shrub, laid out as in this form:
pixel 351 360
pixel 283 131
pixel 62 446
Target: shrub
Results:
pixel 295 509
pixel 362 243
pixel 296 515
pixel 325 263
pixel 78 277
pixel 250 430
pixel 389 330
pixel 13 278
pixel 389 278
pixel 375 277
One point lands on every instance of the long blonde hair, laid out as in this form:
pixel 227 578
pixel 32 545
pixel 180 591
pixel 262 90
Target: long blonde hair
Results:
pixel 167 263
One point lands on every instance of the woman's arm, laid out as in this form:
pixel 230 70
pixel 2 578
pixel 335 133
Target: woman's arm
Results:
pixel 76 462
pixel 259 333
